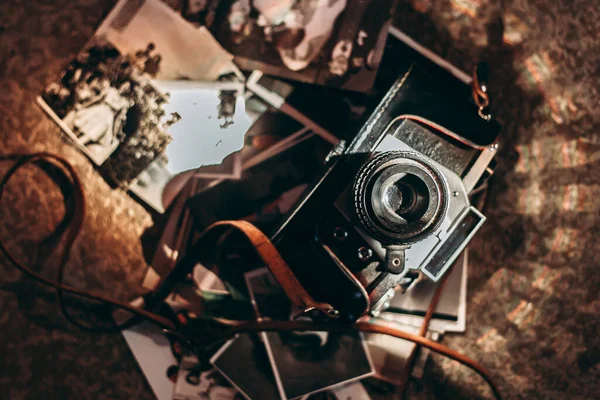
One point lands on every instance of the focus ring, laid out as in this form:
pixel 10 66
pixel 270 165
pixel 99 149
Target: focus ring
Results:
pixel 399 161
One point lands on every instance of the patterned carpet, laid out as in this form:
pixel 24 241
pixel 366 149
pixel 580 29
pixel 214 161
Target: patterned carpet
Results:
pixel 534 304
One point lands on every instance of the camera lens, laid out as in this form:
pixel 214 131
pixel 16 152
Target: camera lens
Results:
pixel 407 197
pixel 400 197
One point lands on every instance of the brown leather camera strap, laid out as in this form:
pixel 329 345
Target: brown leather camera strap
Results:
pixel 278 267
pixel 70 227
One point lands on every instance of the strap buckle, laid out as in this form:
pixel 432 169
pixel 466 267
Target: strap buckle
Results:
pixel 479 90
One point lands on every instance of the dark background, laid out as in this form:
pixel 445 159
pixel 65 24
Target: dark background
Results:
pixel 533 299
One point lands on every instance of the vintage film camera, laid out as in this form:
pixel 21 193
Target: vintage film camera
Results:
pixel 394 203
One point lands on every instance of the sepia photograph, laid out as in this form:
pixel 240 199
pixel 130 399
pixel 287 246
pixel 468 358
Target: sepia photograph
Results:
pixel 328 43
pixel 184 51
pixel 196 381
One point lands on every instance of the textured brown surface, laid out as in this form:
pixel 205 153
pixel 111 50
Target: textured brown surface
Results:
pixel 533 285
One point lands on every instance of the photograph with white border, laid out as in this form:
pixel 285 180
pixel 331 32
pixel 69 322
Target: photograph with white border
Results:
pixel 306 363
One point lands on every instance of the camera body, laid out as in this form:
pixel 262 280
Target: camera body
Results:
pixel 393 204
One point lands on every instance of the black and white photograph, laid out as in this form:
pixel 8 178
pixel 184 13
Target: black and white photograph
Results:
pixel 305 362
pixel 199 382
pixel 152 351
pixel 149 185
pixel 104 98
pixel 205 143
pixel 244 362
pixel 323 42
pixel 269 133
pixel 214 122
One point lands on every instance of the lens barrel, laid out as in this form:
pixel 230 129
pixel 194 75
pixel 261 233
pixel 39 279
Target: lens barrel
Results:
pixel 400 197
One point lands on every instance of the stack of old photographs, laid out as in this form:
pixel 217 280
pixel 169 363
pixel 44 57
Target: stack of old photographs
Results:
pixel 158 95
pixel 227 109
pixel 273 365
pixel 150 97
pixel 288 365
